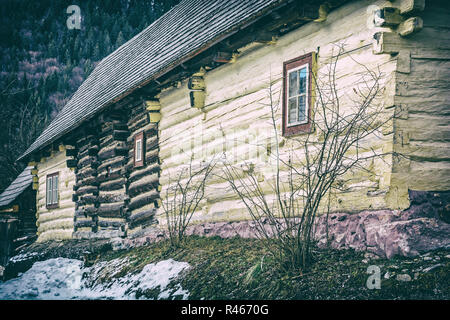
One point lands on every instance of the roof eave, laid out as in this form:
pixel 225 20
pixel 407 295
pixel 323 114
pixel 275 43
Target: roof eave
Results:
pixel 162 72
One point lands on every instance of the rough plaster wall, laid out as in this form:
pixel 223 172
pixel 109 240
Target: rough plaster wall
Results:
pixel 236 94
pixel 422 101
pixel 55 223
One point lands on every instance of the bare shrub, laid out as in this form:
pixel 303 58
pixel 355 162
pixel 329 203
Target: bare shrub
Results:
pixel 183 196
pixel 315 163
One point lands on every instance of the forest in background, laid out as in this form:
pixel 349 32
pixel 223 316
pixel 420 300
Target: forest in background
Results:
pixel 43 62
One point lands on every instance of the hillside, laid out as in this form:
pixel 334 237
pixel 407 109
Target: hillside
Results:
pixel 43 62
pixel 212 268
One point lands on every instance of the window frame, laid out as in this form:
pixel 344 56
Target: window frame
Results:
pixel 52 191
pixel 288 67
pixel 139 137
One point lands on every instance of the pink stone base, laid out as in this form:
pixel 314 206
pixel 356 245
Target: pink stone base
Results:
pixel 421 228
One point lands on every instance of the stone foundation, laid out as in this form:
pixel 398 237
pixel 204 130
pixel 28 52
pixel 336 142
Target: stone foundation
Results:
pixel 422 227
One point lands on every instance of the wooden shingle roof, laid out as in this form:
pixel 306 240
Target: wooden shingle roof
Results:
pixel 186 29
pixel 19 185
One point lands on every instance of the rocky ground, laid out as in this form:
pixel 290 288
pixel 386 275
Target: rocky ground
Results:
pixel 239 268
pixel 409 250
pixel 423 227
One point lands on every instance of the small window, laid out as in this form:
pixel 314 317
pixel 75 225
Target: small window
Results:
pixel 139 151
pixel 297 95
pixel 52 190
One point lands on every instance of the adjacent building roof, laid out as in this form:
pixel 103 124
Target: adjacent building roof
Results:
pixel 186 29
pixel 23 181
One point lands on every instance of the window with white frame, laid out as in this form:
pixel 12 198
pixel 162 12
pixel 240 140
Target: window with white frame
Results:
pixel 297 104
pixel 297 95
pixel 139 149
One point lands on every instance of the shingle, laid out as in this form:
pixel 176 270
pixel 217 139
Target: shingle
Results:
pixel 190 26
pixel 22 182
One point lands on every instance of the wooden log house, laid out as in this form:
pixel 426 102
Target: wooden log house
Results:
pixel 203 68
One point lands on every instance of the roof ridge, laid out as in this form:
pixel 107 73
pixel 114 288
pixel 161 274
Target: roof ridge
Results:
pixel 150 53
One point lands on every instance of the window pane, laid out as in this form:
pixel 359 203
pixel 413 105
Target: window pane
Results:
pixel 303 79
pixel 301 108
pixel 293 84
pixel 55 190
pixel 138 155
pixel 140 149
pixel 136 151
pixel 49 190
pixel 292 110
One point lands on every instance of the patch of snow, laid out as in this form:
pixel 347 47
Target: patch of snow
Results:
pixel 22 257
pixel 65 279
pixel 51 279
pixel 432 267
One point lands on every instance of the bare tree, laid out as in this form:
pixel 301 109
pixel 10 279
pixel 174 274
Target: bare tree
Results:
pixel 183 196
pixel 21 122
pixel 314 166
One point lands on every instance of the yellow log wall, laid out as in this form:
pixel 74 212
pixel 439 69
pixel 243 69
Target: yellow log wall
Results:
pixel 235 98
pixel 55 224
pixel 422 99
